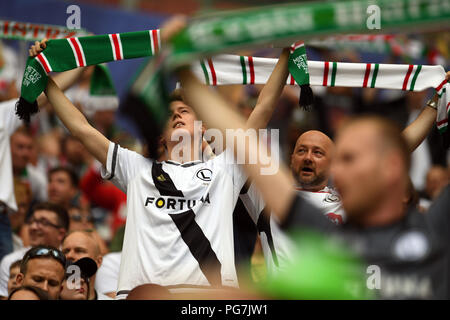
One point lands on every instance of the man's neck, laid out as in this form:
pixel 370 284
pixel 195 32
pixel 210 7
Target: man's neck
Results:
pixel 195 154
pixel 385 213
pixel 315 188
pixel 92 293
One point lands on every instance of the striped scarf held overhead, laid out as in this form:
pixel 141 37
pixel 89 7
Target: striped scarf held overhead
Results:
pixel 231 69
pixel 66 54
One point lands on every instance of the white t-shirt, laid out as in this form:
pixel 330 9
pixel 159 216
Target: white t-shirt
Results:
pixel 7 261
pixel 9 122
pixel 328 201
pixel 277 246
pixel 179 229
pixel 38 183
pixel 107 276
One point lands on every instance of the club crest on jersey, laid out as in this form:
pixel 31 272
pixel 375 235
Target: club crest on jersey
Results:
pixel 331 197
pixel 204 174
pixel 175 203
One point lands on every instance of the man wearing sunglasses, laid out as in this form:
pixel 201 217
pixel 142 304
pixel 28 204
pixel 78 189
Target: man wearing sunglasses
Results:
pixel 43 267
pixel 48 226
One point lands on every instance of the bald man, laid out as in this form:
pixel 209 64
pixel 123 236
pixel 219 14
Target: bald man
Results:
pixel 310 166
pixel 80 244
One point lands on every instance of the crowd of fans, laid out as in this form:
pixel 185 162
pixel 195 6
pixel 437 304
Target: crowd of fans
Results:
pixel 66 211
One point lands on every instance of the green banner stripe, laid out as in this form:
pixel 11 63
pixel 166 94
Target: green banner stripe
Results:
pixel 205 72
pixel 333 74
pixel 280 24
pixel 244 70
pixel 90 48
pixel 136 44
pixel 416 74
pixel 374 75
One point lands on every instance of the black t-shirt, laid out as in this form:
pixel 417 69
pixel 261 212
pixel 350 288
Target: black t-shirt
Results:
pixel 411 255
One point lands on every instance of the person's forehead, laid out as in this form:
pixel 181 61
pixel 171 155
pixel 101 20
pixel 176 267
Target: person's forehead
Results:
pixel 45 267
pixel 21 137
pixel 59 175
pixel 78 239
pixel 49 215
pixel 360 136
pixel 176 105
pixel 314 139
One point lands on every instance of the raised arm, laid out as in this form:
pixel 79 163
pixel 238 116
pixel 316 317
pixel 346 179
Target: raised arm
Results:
pixel 418 130
pixel 269 95
pixel 72 118
pixel 201 98
pixel 76 123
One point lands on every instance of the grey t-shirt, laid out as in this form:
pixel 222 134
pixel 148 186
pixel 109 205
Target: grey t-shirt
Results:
pixel 412 254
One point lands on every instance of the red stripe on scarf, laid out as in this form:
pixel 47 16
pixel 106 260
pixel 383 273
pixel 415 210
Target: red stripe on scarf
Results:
pixel 252 70
pixel 155 41
pixel 292 79
pixel 78 51
pixel 439 87
pixel 43 62
pixel 213 72
pixel 116 46
pixel 408 74
pixel 366 75
pixel 325 74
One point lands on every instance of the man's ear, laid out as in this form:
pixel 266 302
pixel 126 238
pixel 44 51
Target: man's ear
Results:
pixel 62 232
pixel 19 278
pixel 163 141
pixel 99 260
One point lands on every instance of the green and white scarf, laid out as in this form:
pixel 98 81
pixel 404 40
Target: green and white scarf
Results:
pixel 232 69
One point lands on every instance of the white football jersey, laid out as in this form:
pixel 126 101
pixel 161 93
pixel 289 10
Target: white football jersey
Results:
pixel 179 230
pixel 328 201
pixel 277 246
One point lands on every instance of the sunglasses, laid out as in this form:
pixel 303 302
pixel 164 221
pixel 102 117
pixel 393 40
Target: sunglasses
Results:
pixel 43 222
pixel 45 252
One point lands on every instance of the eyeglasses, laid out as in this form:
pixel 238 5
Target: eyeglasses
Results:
pixel 44 252
pixel 79 218
pixel 43 222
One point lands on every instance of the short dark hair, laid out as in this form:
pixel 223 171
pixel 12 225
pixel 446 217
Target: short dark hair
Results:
pixel 40 293
pixel 74 179
pixel 177 95
pixel 61 212
pixel 15 264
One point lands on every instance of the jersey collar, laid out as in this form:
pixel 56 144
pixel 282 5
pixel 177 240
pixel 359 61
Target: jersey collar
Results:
pixel 185 164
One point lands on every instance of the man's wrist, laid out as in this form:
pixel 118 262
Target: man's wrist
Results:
pixel 432 103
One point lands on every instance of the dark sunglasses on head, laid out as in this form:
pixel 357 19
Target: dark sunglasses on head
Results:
pixel 45 252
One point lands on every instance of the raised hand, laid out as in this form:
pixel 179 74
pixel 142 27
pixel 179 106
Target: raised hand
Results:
pixel 38 47
pixel 172 27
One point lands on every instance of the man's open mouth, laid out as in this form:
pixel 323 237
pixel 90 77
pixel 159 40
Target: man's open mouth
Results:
pixel 178 124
